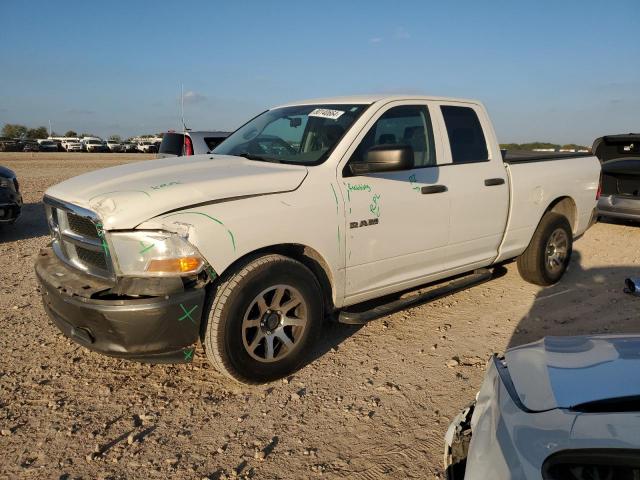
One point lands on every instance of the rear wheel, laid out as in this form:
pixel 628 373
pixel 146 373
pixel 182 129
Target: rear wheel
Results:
pixel 263 319
pixel 546 258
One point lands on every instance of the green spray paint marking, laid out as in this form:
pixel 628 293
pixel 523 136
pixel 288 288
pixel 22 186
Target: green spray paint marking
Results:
pixel 187 313
pixel 337 212
pixel 233 240
pixel 144 248
pixel 164 185
pixel 100 231
pixel 412 180
pixel 119 191
pixel 188 353
pixel 359 187
pixel 211 272
pixel 335 196
pixel 375 206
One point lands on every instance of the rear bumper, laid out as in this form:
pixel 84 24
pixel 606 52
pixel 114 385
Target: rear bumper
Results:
pixel 152 329
pixel 627 208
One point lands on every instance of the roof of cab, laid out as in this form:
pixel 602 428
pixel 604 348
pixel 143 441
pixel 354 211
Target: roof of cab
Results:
pixel 373 98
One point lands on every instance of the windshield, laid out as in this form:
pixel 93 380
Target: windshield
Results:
pixel 94 142
pixel 304 134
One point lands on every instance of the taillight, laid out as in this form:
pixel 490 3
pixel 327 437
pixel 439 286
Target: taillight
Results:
pixel 188 145
pixel 599 191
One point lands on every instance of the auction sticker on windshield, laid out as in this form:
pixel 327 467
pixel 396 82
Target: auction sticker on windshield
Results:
pixel 326 113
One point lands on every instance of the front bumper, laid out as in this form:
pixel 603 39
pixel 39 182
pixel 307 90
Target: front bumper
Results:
pixel 10 205
pixel 158 329
pixel 618 206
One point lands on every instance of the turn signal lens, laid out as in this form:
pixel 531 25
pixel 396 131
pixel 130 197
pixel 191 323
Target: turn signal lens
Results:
pixel 175 265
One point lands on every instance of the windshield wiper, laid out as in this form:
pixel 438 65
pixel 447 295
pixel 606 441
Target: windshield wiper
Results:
pixel 259 158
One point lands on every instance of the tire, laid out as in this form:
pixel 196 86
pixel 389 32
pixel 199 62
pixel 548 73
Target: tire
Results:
pixel 546 258
pixel 244 338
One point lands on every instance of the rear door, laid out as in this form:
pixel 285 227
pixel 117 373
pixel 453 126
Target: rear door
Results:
pixel 477 183
pixel 397 222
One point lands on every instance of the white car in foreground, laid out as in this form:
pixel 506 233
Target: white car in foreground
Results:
pixel 304 212
pixel 561 408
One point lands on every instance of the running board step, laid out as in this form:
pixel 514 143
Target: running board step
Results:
pixel 361 317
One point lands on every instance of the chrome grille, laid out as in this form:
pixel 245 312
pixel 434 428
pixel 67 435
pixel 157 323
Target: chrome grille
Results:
pixel 78 238
pixel 91 257
pixel 82 226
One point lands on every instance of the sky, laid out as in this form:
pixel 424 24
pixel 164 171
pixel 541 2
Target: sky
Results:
pixel 558 71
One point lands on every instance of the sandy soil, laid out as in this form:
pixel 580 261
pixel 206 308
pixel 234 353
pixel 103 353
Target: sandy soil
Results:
pixel 374 401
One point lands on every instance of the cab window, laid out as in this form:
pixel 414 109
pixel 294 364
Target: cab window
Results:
pixel 408 125
pixel 466 138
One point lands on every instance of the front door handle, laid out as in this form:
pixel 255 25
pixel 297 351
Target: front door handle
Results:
pixel 433 189
pixel 490 182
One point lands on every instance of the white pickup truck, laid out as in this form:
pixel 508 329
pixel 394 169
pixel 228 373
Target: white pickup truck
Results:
pixel 303 213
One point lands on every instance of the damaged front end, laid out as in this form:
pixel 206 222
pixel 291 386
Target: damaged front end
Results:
pixel 153 316
pixel 456 446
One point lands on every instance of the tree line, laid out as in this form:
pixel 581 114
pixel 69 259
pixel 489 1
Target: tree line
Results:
pixel 15 130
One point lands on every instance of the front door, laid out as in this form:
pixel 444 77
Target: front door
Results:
pixel 397 222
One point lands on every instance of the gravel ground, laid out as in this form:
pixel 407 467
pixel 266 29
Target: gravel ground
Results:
pixel 374 401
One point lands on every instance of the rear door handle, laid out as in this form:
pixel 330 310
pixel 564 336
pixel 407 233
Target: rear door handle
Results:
pixel 433 189
pixel 490 182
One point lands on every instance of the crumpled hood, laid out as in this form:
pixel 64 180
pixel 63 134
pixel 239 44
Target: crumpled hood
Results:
pixel 127 195
pixel 563 372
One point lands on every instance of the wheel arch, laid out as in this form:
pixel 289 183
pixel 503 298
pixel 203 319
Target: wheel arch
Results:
pixel 565 206
pixel 306 255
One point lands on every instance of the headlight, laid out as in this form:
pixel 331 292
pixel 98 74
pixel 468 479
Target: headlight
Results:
pixel 154 254
pixel 5 182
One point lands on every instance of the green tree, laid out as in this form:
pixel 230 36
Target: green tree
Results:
pixel 115 138
pixel 40 132
pixel 13 130
pixel 84 134
pixel 71 133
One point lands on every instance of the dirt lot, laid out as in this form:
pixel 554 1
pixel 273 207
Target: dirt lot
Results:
pixel 374 402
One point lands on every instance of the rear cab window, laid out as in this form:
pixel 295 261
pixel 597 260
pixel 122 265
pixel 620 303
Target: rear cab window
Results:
pixel 466 137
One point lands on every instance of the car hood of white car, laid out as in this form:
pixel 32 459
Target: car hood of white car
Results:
pixel 577 372
pixel 127 195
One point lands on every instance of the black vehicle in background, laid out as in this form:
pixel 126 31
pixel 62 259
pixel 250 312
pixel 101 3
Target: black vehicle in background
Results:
pixel 9 145
pixel 189 143
pixel 30 146
pixel 620 184
pixel 10 198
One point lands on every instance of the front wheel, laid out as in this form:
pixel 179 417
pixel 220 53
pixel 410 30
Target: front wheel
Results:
pixel 263 319
pixel 547 257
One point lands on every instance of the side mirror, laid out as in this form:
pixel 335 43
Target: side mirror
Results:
pixel 384 158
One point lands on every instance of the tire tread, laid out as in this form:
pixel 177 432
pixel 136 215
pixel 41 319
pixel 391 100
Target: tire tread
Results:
pixel 531 261
pixel 213 341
